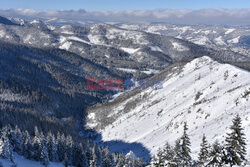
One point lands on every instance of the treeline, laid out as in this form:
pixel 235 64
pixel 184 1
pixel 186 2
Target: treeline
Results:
pixel 233 152
pixel 59 148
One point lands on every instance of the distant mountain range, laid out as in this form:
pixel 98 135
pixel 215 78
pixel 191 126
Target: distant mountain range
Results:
pixel 235 38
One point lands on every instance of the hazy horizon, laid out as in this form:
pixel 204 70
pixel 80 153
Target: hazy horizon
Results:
pixel 209 16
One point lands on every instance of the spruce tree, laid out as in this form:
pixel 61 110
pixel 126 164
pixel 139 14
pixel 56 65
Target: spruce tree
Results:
pixel 27 145
pixel 107 159
pixel 158 160
pixel 94 161
pixel 18 140
pixel 65 160
pixel 138 162
pixel 52 147
pixel 69 148
pixel 61 146
pixel 84 159
pixel 168 155
pixel 36 145
pixel 185 146
pixel 120 161
pixel 177 152
pixel 235 143
pixel 216 155
pixel 6 149
pixel 204 152
pixel 44 155
pixel 99 155
pixel 78 155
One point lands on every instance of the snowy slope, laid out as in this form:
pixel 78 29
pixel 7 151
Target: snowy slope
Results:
pixel 204 93
pixel 22 162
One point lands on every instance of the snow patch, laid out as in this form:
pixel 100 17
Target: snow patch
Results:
pixel 179 47
pixel 130 50
pixel 150 71
pixel 95 39
pixel 234 40
pixel 78 39
pixel 66 45
pixel 93 122
pixel 91 116
pixel 23 162
pixel 206 32
pixel 201 40
pixel 67 32
pixel 35 22
pixel 156 49
pixel 6 95
pixel 219 41
pixel 2 33
pixel 230 30
pixel 127 70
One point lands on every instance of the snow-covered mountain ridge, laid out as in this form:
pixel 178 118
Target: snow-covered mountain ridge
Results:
pixel 224 37
pixel 204 93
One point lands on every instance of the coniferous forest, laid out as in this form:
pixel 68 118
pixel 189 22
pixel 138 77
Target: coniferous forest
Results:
pixel 58 148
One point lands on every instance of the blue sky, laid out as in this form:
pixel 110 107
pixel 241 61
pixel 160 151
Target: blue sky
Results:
pixel 123 4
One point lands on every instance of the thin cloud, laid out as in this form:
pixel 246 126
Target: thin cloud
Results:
pixel 185 16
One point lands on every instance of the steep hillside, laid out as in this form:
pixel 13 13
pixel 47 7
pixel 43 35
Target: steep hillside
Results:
pixel 204 93
pixel 5 21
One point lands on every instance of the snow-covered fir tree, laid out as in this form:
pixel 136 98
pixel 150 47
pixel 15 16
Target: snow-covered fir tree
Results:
pixel 60 146
pixel 79 157
pixel 6 149
pixel 178 153
pixel 120 161
pixel 185 147
pixel 131 160
pixel 44 157
pixel 66 160
pixel 168 155
pixel 27 145
pixel 216 155
pixel 236 143
pixel 52 147
pixel 107 159
pixel 36 146
pixel 158 160
pixel 94 160
pixel 69 149
pixel 204 152
pixel 16 140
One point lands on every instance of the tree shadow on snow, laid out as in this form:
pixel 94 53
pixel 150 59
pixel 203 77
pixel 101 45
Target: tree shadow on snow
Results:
pixel 119 146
